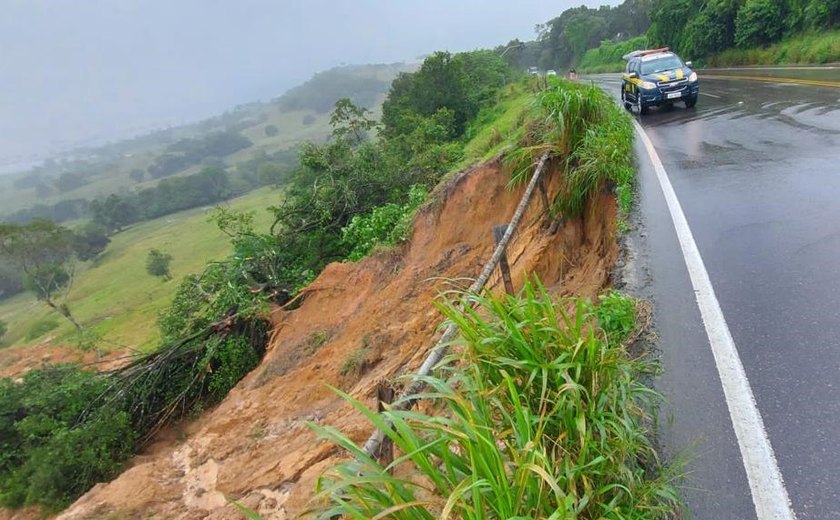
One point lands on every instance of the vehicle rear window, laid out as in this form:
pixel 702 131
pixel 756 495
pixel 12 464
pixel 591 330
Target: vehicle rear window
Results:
pixel 661 64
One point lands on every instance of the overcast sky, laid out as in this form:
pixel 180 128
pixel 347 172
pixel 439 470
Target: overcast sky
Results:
pixel 91 70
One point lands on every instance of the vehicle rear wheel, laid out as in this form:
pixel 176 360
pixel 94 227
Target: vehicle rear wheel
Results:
pixel 690 101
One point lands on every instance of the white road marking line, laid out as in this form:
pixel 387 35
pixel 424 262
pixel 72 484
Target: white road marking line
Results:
pixel 768 489
pixel 710 95
pixel 775 68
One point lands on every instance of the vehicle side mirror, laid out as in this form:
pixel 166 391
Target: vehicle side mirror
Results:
pixel 689 64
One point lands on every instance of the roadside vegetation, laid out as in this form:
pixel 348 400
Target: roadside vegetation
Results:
pixel 701 30
pixel 541 413
pixel 808 48
pixel 608 57
pixel 712 33
pixel 541 410
pixel 347 196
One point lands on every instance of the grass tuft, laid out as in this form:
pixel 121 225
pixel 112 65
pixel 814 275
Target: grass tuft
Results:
pixel 590 135
pixel 542 416
pixel 810 48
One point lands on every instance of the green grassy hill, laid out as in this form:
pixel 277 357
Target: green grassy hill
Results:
pixel 298 116
pixel 115 297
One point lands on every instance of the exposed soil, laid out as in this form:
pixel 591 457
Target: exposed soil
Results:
pixel 15 362
pixel 357 324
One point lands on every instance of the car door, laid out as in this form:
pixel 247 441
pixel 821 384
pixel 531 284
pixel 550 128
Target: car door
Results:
pixel 626 86
pixel 630 87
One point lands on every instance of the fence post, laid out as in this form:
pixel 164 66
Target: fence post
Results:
pixel 543 195
pixel 498 234
pixel 384 395
pixel 441 348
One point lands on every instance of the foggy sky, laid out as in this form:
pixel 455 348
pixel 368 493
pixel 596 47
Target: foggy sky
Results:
pixel 75 71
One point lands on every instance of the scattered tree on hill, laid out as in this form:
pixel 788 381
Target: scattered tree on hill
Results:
pixel 3 329
pixel 43 190
pixel 308 119
pixel 61 211
pixel 157 264
pixel 187 152
pixel 212 184
pixel 44 253
pixel 271 130
pixel 90 241
pixel 27 181
pixel 270 173
pixel 137 175
pixel 11 281
pixel 114 213
pixel 350 121
pixel 69 181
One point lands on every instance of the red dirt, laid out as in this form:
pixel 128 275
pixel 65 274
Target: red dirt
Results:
pixel 255 446
pixel 19 360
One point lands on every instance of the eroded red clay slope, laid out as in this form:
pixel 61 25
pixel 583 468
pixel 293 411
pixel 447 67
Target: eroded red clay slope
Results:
pixel 255 446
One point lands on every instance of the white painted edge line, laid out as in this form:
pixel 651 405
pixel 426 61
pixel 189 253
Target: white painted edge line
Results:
pixel 766 485
pixel 774 68
pixel 710 95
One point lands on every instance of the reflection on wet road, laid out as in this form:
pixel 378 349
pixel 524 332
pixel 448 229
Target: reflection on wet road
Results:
pixel 756 166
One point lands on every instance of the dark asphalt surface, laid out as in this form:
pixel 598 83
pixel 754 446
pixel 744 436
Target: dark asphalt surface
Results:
pixel 756 167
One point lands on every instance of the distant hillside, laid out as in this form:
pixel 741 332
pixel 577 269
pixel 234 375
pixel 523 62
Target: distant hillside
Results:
pixel 364 85
pixel 236 140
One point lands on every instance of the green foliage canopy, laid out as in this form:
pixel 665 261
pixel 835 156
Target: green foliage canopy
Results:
pixel 42 251
pixel 157 264
pixel 700 29
pixel 459 84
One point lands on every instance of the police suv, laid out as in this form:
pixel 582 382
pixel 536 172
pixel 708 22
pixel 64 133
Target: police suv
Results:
pixel 658 77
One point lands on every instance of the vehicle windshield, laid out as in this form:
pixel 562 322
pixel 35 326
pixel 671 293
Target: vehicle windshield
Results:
pixel 661 64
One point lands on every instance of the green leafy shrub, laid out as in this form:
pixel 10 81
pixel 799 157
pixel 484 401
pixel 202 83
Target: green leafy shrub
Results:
pixel 48 455
pixel 818 47
pixel 41 327
pixel 759 22
pixel 616 315
pixel 608 57
pixel 231 358
pixel 63 429
pixel 387 225
pixel 536 417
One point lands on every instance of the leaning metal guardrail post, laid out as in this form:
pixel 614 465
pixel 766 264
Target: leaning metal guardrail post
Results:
pixel 441 348
pixel 498 234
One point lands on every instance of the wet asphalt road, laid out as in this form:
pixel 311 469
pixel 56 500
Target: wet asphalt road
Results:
pixel 756 166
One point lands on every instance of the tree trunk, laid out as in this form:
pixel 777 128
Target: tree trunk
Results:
pixel 64 311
